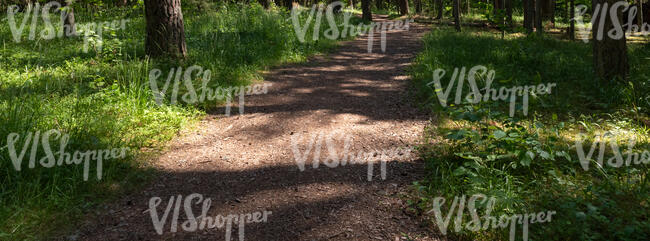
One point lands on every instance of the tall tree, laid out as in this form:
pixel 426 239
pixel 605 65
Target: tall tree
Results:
pixel 572 25
pixel 529 15
pixel 538 17
pixel 365 9
pixel 548 10
pixel 379 4
pixel 610 52
pixel 165 29
pixel 509 12
pixel 418 6
pixel 69 27
pixel 456 11
pixel 639 14
pixel 403 7
pixel 439 7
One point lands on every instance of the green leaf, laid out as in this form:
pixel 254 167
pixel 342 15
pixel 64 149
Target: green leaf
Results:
pixel 499 134
pixel 460 171
pixel 544 155
pixel 527 159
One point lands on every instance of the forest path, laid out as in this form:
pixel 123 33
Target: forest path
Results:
pixel 245 163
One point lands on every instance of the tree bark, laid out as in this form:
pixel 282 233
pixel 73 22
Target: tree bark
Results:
pixel 165 28
pixel 639 14
pixel 366 12
pixel 439 8
pixel 538 17
pixel 529 15
pixel 572 25
pixel 610 55
pixel 379 4
pixel 456 11
pixel 403 7
pixel 509 12
pixel 69 27
pixel 418 6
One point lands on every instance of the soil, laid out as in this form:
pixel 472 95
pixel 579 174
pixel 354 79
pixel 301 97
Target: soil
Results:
pixel 245 163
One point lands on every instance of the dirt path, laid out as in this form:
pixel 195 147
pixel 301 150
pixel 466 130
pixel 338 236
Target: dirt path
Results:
pixel 245 163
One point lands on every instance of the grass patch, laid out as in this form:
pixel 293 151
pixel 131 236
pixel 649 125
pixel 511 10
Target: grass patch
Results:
pixel 102 100
pixel 530 163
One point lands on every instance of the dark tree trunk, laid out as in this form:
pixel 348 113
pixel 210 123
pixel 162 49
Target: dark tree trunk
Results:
pixel 403 7
pixel 572 25
pixel 639 14
pixel 509 12
pixel 456 12
pixel 365 8
pixel 165 30
pixel 287 4
pixel 548 11
pixel 610 55
pixel 418 6
pixel 439 8
pixel 538 17
pixel 529 15
pixel 498 5
pixel 264 3
pixel 379 4
pixel 69 27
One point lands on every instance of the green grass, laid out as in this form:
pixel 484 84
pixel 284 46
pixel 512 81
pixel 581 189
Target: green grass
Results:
pixel 479 149
pixel 102 100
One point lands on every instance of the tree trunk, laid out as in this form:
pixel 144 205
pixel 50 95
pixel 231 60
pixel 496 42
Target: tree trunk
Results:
pixel 456 11
pixel 538 17
pixel 264 3
pixel 497 6
pixel 403 7
pixel 509 12
pixel 639 14
pixel 365 8
pixel 379 4
pixel 418 6
pixel 439 8
pixel 529 15
pixel 572 26
pixel 610 55
pixel 549 11
pixel 69 27
pixel 288 4
pixel 165 30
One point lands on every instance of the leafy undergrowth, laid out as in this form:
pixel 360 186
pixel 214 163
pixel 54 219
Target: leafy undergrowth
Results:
pixel 531 163
pixel 102 100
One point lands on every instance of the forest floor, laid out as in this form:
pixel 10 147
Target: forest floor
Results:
pixel 245 163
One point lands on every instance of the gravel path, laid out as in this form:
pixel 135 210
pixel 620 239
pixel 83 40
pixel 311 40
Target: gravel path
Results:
pixel 246 163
